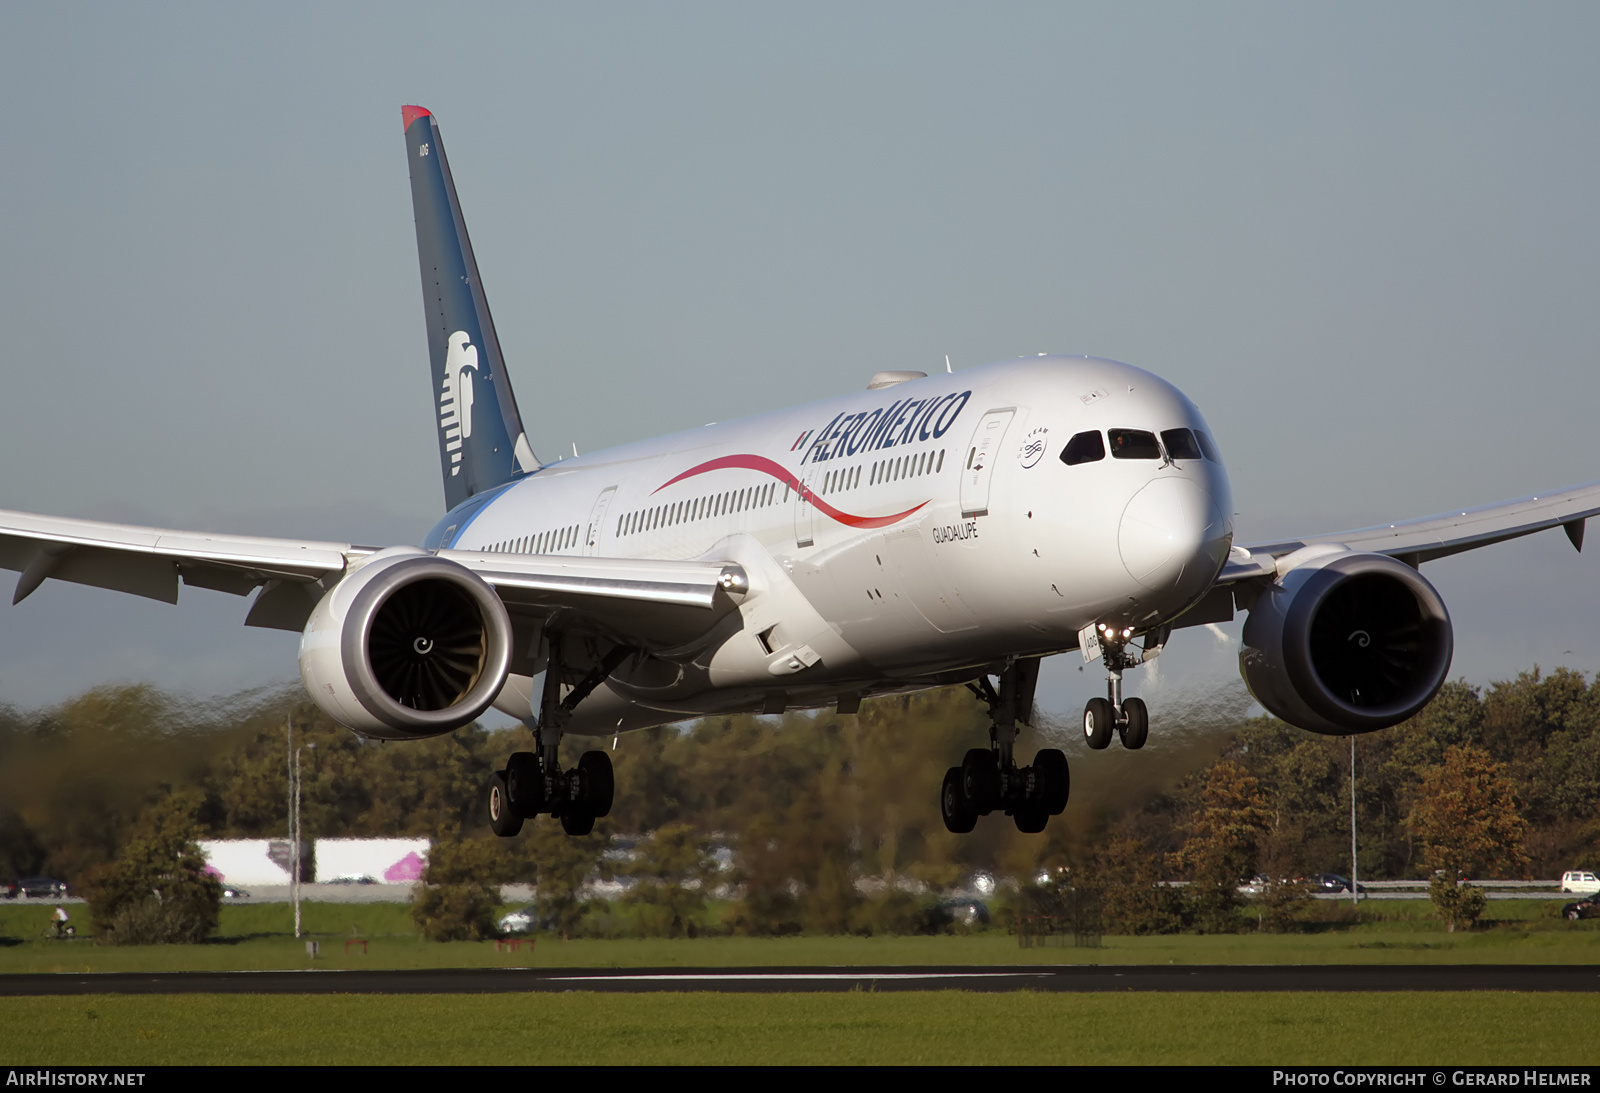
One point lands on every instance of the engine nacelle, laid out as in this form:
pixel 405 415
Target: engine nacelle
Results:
pixel 409 645
pixel 1346 642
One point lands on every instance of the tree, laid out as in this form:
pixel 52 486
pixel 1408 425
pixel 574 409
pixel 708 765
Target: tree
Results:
pixel 1133 900
pixel 563 864
pixel 1467 819
pixel 1221 848
pixel 673 872
pixel 460 890
pixel 157 889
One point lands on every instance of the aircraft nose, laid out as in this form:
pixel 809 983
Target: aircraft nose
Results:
pixel 1173 536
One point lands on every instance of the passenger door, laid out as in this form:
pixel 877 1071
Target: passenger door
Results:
pixel 981 455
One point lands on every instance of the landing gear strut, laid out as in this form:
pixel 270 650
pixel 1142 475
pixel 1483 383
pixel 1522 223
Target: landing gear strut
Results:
pixel 989 779
pixel 1128 718
pixel 533 783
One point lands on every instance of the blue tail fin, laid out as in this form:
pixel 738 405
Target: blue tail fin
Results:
pixel 481 440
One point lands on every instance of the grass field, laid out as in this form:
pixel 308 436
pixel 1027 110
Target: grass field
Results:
pixel 255 937
pixel 944 1028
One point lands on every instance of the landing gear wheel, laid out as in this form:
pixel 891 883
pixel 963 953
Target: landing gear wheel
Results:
pixel 1030 819
pixel 596 783
pixel 525 784
pixel 980 781
pixel 959 818
pixel 1052 779
pixel 577 821
pixel 502 820
pixel 1136 724
pixel 1098 723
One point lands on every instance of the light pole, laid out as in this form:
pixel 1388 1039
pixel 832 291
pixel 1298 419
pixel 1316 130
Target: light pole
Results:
pixel 293 761
pixel 294 884
pixel 1353 897
pixel 293 811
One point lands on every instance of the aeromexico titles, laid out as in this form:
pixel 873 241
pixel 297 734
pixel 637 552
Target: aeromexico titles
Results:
pixel 880 429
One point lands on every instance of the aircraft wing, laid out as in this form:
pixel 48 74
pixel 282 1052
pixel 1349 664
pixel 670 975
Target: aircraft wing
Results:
pixel 151 561
pixel 656 603
pixel 659 601
pixel 1430 537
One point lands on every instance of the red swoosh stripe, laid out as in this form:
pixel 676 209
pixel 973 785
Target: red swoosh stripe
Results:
pixel 781 473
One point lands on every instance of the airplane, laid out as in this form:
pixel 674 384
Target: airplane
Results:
pixel 927 531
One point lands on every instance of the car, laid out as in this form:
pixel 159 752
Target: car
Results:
pixel 1333 882
pixel 1584 908
pixel 352 880
pixel 520 922
pixel 971 913
pixel 41 888
pixel 230 892
pixel 1580 881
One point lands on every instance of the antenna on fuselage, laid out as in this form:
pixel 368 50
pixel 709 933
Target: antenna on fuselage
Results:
pixel 947 367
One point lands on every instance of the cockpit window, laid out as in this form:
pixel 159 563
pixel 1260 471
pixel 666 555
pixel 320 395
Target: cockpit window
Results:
pixel 1180 444
pixel 1133 444
pixel 1208 447
pixel 1083 448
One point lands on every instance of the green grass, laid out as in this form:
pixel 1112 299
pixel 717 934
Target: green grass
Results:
pixel 1401 947
pixel 943 1028
pixel 254 937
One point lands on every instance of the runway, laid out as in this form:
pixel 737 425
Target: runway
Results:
pixel 1069 978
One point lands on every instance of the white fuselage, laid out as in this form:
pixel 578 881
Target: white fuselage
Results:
pixel 894 538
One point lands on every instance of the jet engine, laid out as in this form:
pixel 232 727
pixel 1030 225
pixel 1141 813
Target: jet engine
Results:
pixel 1345 642
pixel 409 645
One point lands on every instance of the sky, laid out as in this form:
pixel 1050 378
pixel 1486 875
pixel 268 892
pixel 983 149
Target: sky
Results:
pixel 1362 237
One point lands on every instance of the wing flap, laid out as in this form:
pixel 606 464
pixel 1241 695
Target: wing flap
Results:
pixel 534 578
pixel 646 602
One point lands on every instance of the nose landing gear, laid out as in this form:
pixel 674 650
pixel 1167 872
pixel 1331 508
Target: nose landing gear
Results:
pixel 989 779
pixel 1128 718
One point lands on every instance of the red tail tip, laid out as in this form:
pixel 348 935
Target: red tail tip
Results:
pixel 409 114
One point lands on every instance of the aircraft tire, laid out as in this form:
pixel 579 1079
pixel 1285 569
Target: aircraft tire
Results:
pixel 980 780
pixel 1030 819
pixel 503 821
pixel 1098 723
pixel 1054 780
pixel 525 784
pixel 598 781
pixel 1135 729
pixel 958 816
pixel 577 821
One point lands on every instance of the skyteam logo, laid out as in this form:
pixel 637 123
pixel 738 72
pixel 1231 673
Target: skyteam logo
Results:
pixel 455 396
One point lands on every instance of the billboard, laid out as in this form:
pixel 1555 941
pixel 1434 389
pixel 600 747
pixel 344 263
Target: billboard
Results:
pixel 376 861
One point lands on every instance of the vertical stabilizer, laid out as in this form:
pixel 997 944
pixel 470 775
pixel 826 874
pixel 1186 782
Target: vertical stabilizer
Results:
pixel 481 440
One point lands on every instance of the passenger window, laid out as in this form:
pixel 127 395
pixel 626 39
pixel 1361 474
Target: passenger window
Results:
pixel 1133 444
pixel 1083 448
pixel 1208 447
pixel 1180 444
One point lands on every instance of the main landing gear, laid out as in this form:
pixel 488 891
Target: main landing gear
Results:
pixel 1128 718
pixel 533 783
pixel 989 779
